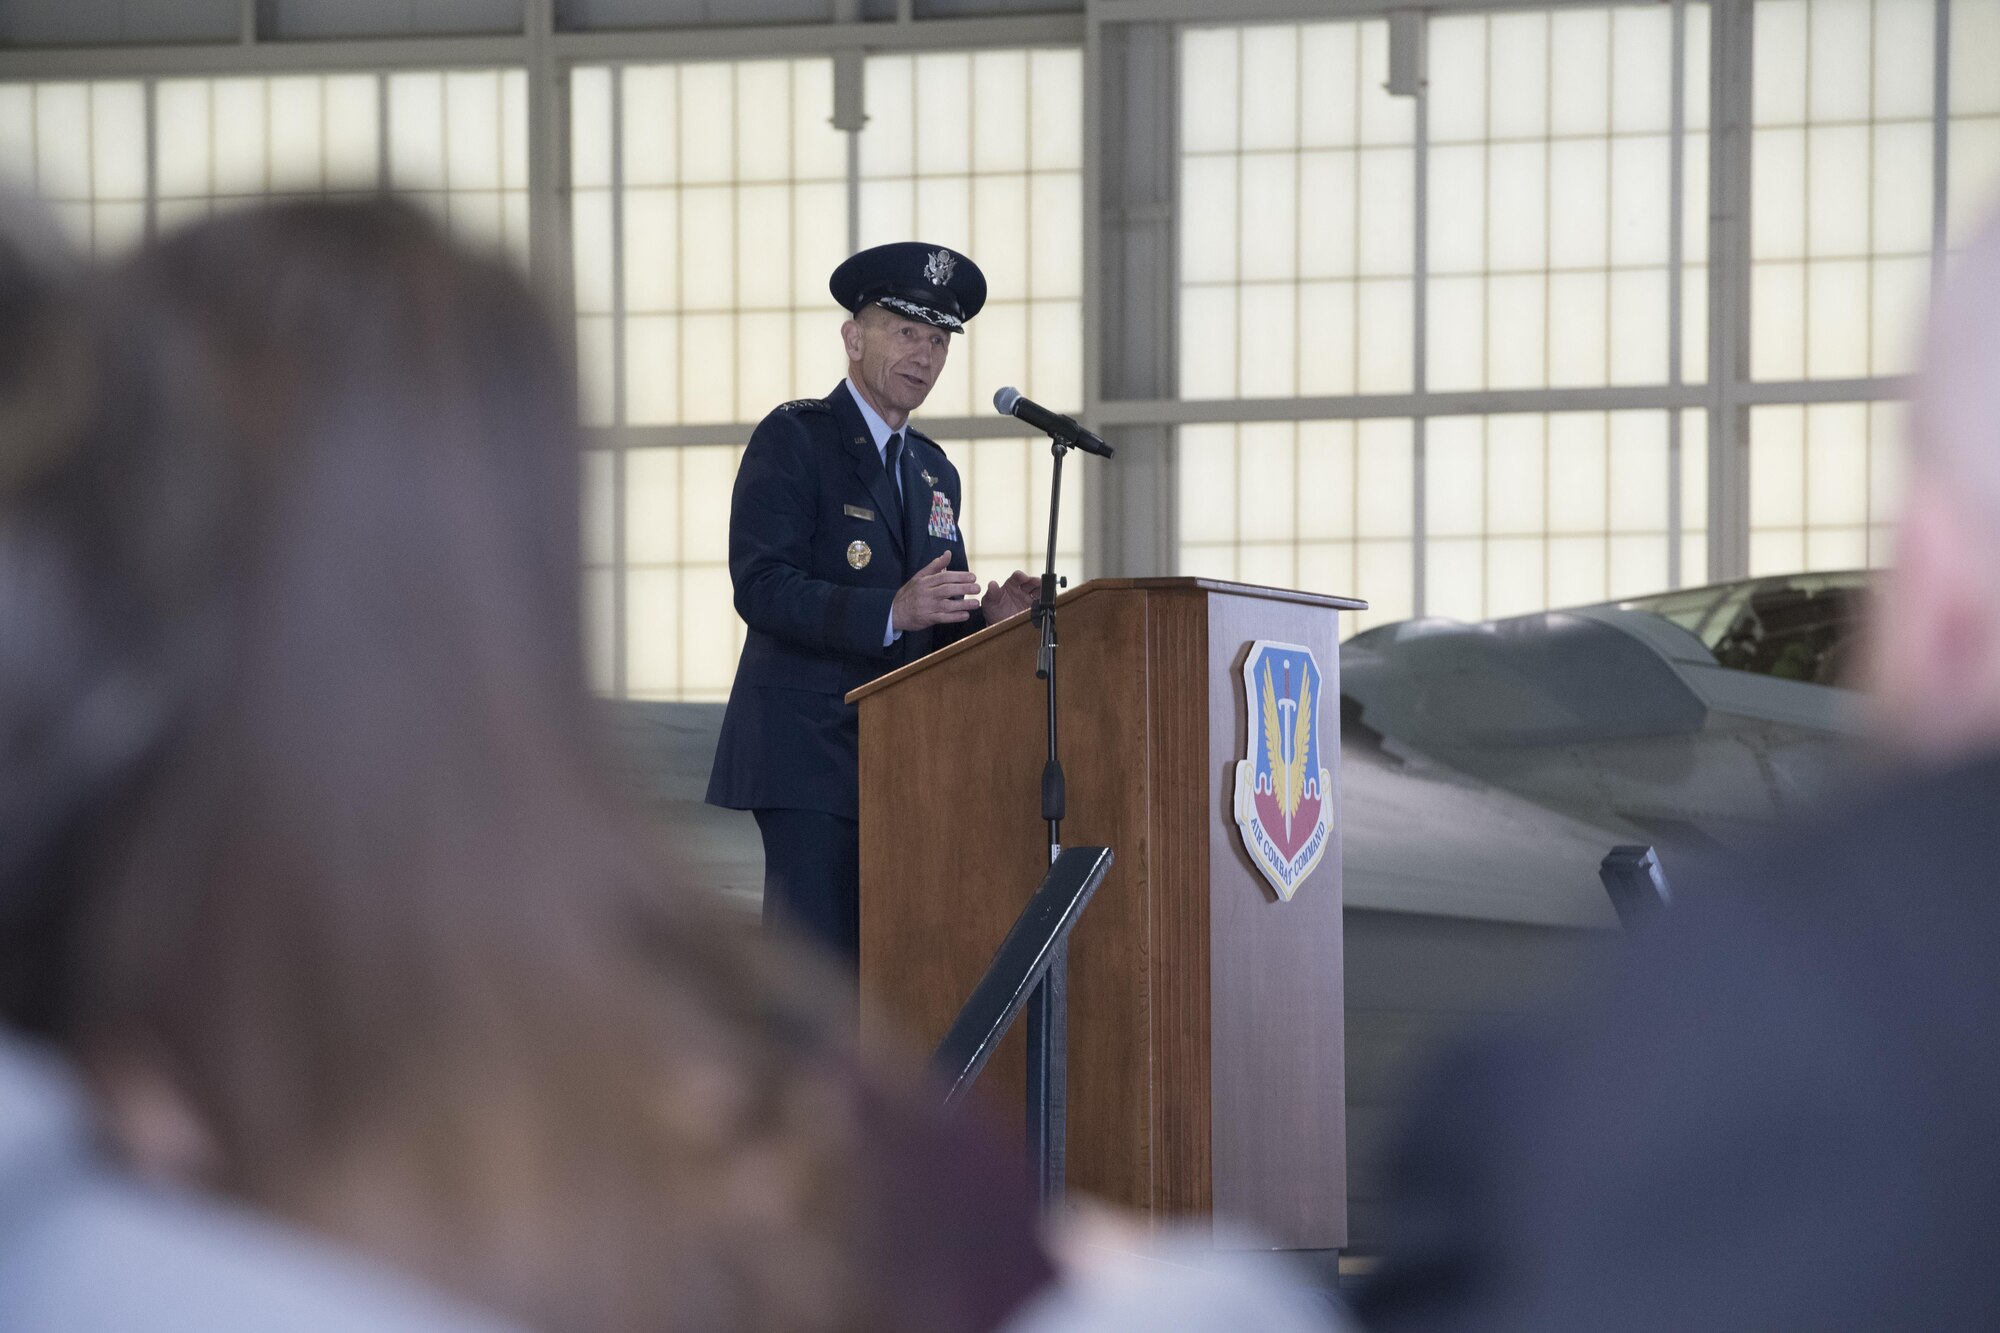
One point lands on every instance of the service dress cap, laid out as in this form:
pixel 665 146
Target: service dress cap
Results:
pixel 932 283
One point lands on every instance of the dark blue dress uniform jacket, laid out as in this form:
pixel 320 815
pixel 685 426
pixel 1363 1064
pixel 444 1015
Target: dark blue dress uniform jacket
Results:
pixel 810 486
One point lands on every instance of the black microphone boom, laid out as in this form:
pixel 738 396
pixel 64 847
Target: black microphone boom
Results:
pixel 1011 404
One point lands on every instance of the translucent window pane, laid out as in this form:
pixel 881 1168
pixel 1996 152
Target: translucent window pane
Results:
pixel 297 144
pixel 595 355
pixel 1210 96
pixel 707 151
pixel 1842 182
pixel 118 142
pixel 600 628
pixel 351 132
pixel 239 136
pixel 1825 483
pixel 1455 49
pixel 416 131
pixel 1641 81
pixel 763 120
pixel 1975 57
pixel 1974 175
pixel 1270 56
pixel 1838 65
pixel 819 151
pixel 1318 505
pixel 1327 107
pixel 1580 46
pixel 17 133
pixel 1694 499
pixel 1549 199
pixel 591 242
pixel 1517 331
pixel 1267 342
pixel 473 130
pixel 180 111
pixel 1904 43
pixel 62 142
pixel 1000 92
pixel 1518 51
pixel 1280 190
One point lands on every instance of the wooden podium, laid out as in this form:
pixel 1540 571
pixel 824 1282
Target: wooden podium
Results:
pixel 1205 1030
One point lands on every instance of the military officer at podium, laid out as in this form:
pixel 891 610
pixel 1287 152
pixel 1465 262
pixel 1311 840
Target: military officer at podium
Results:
pixel 847 562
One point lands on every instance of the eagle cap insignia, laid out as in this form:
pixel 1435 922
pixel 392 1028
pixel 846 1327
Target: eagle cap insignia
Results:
pixel 1284 795
pixel 938 268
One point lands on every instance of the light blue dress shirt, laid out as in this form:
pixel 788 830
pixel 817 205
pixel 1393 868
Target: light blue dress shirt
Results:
pixel 881 430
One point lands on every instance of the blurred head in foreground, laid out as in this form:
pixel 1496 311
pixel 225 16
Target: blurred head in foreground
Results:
pixel 374 947
pixel 1935 655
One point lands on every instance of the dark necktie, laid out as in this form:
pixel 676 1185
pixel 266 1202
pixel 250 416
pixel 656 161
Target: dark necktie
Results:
pixel 892 463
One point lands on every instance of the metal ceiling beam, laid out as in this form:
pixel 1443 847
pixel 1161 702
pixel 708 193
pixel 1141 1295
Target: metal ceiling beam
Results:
pixel 819 38
pixel 661 44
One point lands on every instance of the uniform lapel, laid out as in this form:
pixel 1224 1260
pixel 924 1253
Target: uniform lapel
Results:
pixel 916 500
pixel 860 446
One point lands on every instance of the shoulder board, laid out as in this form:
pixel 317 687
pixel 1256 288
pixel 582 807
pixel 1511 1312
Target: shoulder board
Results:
pixel 806 405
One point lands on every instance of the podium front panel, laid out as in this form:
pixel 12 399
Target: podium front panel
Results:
pixel 1205 1071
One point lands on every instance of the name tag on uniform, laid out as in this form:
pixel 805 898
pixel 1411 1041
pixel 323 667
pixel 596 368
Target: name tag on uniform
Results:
pixel 856 511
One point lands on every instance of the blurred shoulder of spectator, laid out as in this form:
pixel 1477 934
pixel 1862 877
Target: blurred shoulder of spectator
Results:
pixel 83 1247
pixel 1117 1278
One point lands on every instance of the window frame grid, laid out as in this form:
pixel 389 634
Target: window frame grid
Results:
pixel 547 55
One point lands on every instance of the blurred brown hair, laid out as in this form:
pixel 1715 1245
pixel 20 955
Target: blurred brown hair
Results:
pixel 377 915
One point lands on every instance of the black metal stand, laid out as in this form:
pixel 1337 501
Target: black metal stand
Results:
pixel 1048 1006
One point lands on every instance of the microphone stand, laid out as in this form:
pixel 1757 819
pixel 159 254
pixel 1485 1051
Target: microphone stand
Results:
pixel 1048 1006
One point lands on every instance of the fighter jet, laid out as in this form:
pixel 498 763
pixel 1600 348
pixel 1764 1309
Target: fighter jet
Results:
pixel 1490 766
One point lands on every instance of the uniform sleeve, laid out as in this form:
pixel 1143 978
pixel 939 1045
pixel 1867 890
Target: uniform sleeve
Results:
pixel 773 519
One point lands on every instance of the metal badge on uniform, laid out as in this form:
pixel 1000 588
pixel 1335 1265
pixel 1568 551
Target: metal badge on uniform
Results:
pixel 943 523
pixel 856 511
pixel 929 480
pixel 858 554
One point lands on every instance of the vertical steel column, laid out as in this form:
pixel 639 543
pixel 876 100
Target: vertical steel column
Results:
pixel 548 119
pixel 1730 112
pixel 620 617
pixel 1940 142
pixel 1131 164
pixel 1676 253
pixel 1419 327
pixel 152 117
pixel 850 115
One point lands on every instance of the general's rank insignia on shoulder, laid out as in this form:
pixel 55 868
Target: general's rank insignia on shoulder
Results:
pixel 804 405
pixel 943 523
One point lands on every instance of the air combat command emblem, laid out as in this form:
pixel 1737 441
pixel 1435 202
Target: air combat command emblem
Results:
pixel 1284 801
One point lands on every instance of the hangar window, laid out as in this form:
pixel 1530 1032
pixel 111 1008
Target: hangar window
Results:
pixel 1824 483
pixel 1297 213
pixel 1973 130
pixel 1318 505
pixel 983 152
pixel 1550 198
pixel 82 148
pixel 702 245
pixel 1528 511
pixel 455 142
pixel 1551 252
pixel 1842 197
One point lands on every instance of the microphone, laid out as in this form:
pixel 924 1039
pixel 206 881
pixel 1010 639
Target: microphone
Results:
pixel 1010 403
